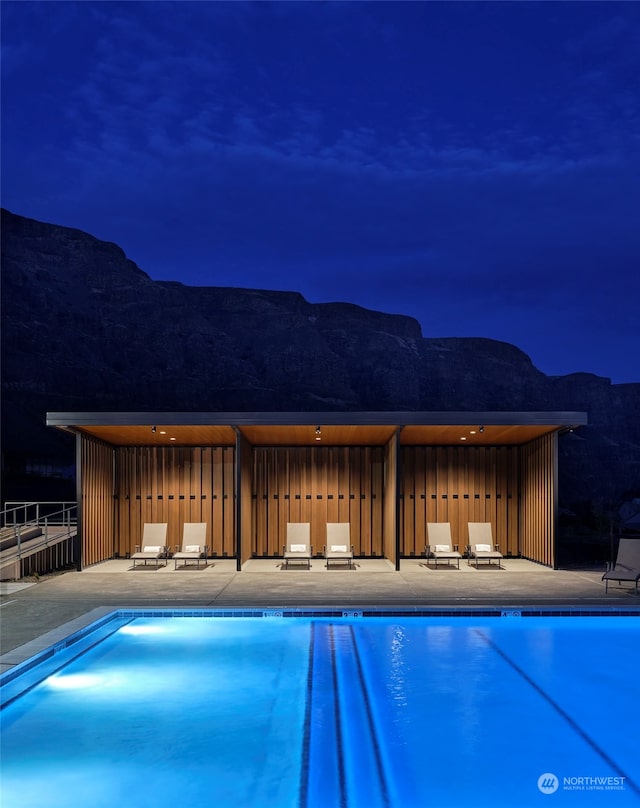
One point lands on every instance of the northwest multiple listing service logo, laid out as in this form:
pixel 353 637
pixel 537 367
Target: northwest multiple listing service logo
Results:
pixel 549 783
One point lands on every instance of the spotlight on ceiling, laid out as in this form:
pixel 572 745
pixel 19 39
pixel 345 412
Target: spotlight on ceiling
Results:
pixel 153 429
pixel 481 429
pixel 318 433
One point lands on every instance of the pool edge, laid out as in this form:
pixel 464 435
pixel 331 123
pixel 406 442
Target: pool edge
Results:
pixel 67 633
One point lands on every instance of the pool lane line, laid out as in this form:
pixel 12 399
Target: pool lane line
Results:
pixel 322 684
pixel 342 779
pixel 384 786
pixel 562 712
pixel 306 732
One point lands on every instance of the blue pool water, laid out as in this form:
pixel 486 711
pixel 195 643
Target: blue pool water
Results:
pixel 318 712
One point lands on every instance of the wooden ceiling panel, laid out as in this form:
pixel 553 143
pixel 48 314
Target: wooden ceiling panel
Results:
pixel 471 435
pixel 306 435
pixel 122 435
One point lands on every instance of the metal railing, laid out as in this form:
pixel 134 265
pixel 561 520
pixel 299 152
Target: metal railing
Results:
pixel 25 521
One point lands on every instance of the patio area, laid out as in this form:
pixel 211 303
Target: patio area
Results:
pixel 36 614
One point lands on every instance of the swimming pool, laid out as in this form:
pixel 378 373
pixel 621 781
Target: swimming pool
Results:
pixel 326 710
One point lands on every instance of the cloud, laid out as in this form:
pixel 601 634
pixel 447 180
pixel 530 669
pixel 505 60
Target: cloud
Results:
pixel 609 35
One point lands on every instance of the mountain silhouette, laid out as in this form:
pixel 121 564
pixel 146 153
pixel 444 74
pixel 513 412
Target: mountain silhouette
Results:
pixel 85 329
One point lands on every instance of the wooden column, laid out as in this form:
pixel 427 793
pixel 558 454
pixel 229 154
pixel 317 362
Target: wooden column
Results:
pixel 391 511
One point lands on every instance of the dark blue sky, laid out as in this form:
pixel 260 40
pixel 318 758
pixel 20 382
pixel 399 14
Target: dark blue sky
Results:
pixel 473 165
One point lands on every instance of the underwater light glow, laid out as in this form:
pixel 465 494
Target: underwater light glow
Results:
pixel 144 628
pixel 73 681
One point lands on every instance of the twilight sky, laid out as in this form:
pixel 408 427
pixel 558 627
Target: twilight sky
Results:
pixel 473 165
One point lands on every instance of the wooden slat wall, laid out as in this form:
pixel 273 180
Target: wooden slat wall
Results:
pixel 226 535
pixel 459 485
pixel 176 485
pixel 97 501
pixel 512 487
pixel 317 484
pixel 537 499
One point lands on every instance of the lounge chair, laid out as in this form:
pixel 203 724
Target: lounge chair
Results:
pixel 626 566
pixel 194 548
pixel 481 544
pixel 338 547
pixel 298 546
pixel 440 547
pixel 153 546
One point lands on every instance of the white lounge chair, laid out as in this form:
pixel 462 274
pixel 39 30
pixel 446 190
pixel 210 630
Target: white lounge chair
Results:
pixel 626 566
pixel 338 547
pixel 194 547
pixel 481 544
pixel 298 546
pixel 439 546
pixel 153 545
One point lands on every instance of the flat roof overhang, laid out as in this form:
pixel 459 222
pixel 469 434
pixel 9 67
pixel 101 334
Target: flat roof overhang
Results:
pixel 300 428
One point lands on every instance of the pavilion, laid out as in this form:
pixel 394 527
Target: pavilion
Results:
pixel 247 474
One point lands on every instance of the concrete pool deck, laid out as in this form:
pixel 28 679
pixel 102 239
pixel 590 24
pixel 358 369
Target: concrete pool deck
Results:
pixel 34 615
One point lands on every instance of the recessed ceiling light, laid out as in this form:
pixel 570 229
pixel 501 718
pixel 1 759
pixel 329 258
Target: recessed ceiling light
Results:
pixel 171 438
pixel 163 431
pixel 472 432
pixel 463 438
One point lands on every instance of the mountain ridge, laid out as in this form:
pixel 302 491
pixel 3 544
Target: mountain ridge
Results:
pixel 84 328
